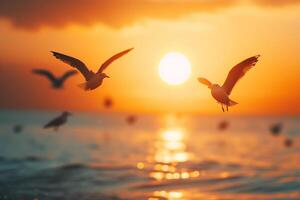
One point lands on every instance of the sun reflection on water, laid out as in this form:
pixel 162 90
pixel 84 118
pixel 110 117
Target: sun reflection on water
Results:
pixel 170 147
pixel 172 195
pixel 168 160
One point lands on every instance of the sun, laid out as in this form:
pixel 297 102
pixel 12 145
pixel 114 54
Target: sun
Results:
pixel 174 68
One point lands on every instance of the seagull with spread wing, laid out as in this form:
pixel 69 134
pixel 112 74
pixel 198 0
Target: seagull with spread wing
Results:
pixel 221 93
pixel 57 82
pixel 93 80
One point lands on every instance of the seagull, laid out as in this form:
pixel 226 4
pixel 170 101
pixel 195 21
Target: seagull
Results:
pixel 223 125
pixel 57 82
pixel 58 121
pixel 276 129
pixel 18 128
pixel 288 142
pixel 108 102
pixel 131 119
pixel 93 80
pixel 221 93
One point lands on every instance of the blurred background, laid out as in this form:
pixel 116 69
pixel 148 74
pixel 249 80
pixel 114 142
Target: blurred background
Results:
pixel 137 136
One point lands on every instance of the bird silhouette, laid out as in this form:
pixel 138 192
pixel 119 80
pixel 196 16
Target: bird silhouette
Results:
pixel 288 142
pixel 221 93
pixel 93 80
pixel 275 129
pixel 223 125
pixel 108 102
pixel 131 119
pixel 58 121
pixel 57 82
pixel 18 128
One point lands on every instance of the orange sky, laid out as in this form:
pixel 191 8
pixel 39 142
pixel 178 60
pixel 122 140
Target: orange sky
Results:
pixel 213 35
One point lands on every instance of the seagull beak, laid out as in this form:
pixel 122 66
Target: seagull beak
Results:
pixel 107 77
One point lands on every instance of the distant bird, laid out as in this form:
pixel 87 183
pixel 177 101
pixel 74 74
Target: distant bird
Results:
pixel 221 93
pixel 93 80
pixel 108 102
pixel 18 128
pixel 131 119
pixel 58 121
pixel 57 82
pixel 223 125
pixel 288 142
pixel 275 129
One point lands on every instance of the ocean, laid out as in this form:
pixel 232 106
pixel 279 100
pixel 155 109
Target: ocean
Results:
pixel 175 157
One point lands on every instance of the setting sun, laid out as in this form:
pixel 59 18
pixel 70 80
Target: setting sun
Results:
pixel 174 68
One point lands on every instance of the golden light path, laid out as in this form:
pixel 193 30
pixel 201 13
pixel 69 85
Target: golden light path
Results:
pixel 170 150
pixel 174 68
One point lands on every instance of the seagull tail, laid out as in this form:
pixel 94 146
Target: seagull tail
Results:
pixel 232 103
pixel 83 86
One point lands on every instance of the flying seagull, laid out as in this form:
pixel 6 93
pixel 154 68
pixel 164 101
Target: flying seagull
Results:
pixel 93 80
pixel 18 128
pixel 57 82
pixel 108 102
pixel 131 119
pixel 288 142
pixel 58 121
pixel 223 125
pixel 221 93
pixel 276 129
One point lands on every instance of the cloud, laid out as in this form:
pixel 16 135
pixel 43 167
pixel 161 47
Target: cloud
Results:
pixel 276 2
pixel 33 14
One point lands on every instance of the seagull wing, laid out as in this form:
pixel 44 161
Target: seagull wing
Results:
pixel 238 71
pixel 67 75
pixel 74 62
pixel 204 81
pixel 45 73
pixel 112 59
